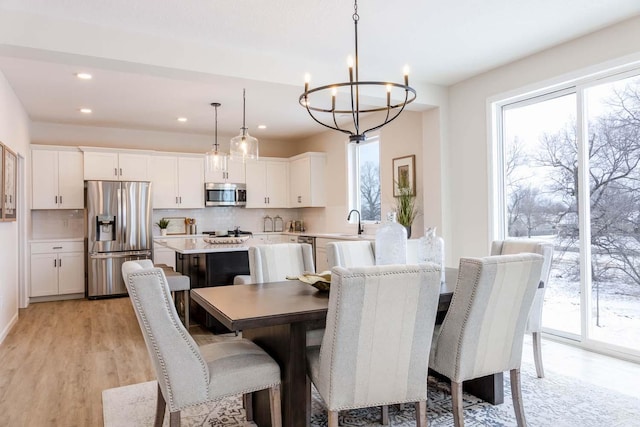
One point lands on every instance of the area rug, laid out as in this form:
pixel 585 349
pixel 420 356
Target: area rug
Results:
pixel 556 400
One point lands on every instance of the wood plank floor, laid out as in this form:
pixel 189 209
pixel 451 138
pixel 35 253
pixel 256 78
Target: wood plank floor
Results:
pixel 59 357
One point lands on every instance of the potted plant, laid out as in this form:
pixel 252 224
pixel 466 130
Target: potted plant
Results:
pixel 406 206
pixel 163 224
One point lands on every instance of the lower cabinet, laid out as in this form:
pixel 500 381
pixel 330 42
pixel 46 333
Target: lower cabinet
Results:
pixel 164 255
pixel 57 268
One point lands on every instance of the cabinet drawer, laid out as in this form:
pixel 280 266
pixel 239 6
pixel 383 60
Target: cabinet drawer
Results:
pixel 55 247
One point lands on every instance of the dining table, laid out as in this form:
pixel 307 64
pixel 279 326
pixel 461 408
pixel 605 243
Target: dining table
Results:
pixel 277 316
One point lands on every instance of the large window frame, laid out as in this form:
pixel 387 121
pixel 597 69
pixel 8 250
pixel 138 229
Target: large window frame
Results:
pixel 498 206
pixel 353 175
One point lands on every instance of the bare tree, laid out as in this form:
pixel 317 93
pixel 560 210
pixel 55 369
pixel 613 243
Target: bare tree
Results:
pixel 370 192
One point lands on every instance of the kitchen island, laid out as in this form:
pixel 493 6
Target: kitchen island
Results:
pixel 206 265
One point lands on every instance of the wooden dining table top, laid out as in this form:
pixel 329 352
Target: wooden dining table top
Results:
pixel 241 307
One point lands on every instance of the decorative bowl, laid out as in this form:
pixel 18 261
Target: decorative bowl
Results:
pixel 320 281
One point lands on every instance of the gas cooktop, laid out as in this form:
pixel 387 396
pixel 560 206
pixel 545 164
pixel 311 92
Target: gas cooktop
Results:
pixel 234 233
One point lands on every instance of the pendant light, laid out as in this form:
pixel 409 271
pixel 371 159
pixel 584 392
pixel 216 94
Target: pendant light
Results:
pixel 244 146
pixel 324 104
pixel 216 161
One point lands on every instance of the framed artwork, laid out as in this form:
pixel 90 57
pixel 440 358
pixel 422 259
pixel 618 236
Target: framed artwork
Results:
pixel 10 187
pixel 1 182
pixel 404 174
pixel 177 225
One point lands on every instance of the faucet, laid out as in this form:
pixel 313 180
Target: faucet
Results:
pixel 360 228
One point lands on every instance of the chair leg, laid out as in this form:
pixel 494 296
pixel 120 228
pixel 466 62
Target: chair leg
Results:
pixel 160 407
pixel 186 309
pixel 537 353
pixel 516 396
pixel 456 403
pixel 247 404
pixel 276 411
pixel 332 418
pixel 174 419
pixel 385 415
pixel 421 413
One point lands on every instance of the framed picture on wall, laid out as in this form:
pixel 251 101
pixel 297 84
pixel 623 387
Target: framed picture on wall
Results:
pixel 10 174
pixel 404 174
pixel 1 182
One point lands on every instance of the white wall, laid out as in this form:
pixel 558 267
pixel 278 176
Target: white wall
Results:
pixel 14 133
pixel 466 164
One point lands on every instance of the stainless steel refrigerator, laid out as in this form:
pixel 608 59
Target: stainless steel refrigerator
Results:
pixel 118 230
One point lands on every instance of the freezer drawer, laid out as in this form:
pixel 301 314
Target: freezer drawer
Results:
pixel 105 273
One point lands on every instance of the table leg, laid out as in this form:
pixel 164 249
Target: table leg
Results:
pixel 287 345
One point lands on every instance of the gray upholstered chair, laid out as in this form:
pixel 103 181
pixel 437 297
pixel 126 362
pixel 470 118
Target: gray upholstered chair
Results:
pixel 378 334
pixel 351 253
pixel 534 323
pixel 176 281
pixel 187 374
pixel 483 330
pixel 273 263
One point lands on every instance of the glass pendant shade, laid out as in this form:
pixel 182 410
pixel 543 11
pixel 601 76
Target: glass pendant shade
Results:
pixel 216 161
pixel 244 146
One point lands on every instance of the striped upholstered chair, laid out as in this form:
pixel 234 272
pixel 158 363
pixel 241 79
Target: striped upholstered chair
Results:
pixel 534 323
pixel 351 253
pixel 378 334
pixel 483 330
pixel 273 263
pixel 187 374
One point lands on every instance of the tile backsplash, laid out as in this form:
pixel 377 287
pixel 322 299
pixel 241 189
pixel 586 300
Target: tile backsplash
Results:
pixel 58 224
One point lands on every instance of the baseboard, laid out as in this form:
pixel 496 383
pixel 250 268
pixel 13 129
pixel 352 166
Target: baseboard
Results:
pixel 10 326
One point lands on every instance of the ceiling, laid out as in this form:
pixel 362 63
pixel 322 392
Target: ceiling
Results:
pixel 153 61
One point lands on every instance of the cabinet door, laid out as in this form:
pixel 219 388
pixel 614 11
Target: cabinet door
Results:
pixel 101 166
pixel 44 275
pixel 71 273
pixel 70 180
pixel 277 184
pixel 191 182
pixel 164 178
pixel 256 184
pixel 236 173
pixel 44 179
pixel 300 183
pixel 162 255
pixel 133 167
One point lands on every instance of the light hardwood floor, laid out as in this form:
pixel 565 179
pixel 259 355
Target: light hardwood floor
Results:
pixel 60 356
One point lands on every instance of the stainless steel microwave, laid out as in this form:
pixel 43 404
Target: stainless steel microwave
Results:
pixel 225 194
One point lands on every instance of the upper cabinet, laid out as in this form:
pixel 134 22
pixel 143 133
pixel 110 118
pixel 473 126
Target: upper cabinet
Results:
pixel 114 165
pixel 267 183
pixel 178 181
pixel 307 183
pixel 235 173
pixel 57 179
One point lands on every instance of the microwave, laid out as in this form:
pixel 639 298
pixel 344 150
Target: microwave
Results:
pixel 225 194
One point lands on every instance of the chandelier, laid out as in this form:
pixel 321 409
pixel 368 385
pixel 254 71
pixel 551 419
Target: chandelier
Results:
pixel 244 146
pixel 216 161
pixel 316 100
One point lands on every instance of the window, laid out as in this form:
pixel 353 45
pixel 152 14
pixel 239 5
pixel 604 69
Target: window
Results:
pixel 364 178
pixel 570 174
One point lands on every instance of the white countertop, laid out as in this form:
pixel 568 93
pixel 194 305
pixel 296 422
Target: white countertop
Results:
pixel 197 245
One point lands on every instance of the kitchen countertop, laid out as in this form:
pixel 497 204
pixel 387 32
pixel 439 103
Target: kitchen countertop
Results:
pixel 197 245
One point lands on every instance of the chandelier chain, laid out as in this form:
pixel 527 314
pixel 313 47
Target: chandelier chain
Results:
pixel 356 17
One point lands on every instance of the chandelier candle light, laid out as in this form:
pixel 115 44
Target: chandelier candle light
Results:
pixel 216 161
pixel 326 115
pixel 244 146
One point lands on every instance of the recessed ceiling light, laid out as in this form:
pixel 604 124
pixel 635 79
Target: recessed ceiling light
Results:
pixel 262 126
pixel 182 119
pixel 84 76
pixel 85 110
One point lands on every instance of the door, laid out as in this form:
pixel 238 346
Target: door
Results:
pixel 133 167
pixel 136 216
pixel 44 275
pixel 277 184
pixel 44 166
pixel 191 182
pixel 70 180
pixel 164 176
pixel 103 204
pixel 256 184
pixel 71 273
pixel 100 166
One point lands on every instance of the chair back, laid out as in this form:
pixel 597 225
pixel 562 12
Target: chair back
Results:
pixel 513 246
pixel 378 333
pixel 273 263
pixel 351 253
pixel 181 371
pixel 483 330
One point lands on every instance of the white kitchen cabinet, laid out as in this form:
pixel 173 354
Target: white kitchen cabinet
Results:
pixel 307 182
pixel 164 255
pixel 111 165
pixel 178 182
pixel 57 179
pixel 235 173
pixel 57 268
pixel 267 183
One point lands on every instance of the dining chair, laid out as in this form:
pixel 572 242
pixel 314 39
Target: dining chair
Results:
pixel 375 348
pixel 483 330
pixel 273 263
pixel 351 253
pixel 189 375
pixel 176 281
pixel 534 323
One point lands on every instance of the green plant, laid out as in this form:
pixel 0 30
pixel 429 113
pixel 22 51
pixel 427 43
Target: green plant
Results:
pixel 163 223
pixel 406 204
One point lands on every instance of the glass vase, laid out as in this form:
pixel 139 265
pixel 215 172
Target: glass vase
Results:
pixel 432 249
pixel 391 242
